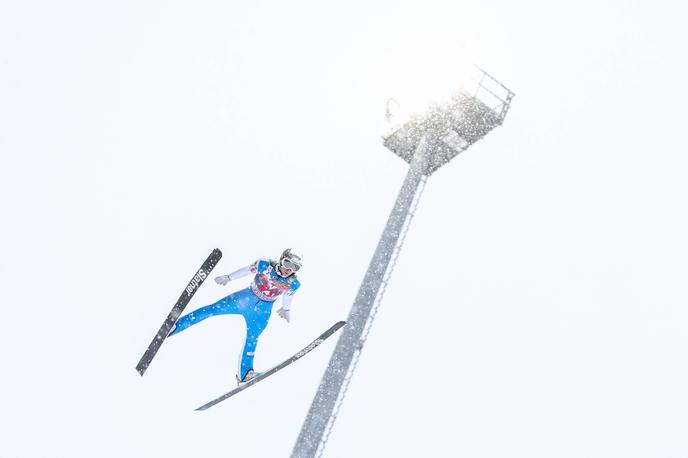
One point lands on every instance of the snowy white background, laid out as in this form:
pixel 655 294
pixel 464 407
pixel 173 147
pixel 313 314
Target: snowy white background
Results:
pixel 538 308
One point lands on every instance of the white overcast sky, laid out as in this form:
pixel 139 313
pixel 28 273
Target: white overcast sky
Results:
pixel 538 308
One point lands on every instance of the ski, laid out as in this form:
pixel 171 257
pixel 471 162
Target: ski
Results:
pixel 282 365
pixel 177 310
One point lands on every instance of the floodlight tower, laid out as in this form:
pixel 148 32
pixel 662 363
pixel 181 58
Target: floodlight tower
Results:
pixel 427 142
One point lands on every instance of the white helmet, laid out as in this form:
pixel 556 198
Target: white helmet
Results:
pixel 291 261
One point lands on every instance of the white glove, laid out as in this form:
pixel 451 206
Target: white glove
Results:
pixel 283 313
pixel 223 279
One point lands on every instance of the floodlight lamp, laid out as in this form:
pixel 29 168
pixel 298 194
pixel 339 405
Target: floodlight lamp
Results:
pixel 449 125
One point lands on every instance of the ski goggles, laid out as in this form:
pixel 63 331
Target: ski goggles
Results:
pixel 289 264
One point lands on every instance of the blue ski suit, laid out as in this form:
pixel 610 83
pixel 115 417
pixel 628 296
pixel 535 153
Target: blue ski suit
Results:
pixel 253 303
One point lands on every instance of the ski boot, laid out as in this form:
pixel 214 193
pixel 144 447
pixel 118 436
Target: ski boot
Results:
pixel 251 374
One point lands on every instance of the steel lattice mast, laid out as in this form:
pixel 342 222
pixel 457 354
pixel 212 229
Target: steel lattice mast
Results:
pixel 427 142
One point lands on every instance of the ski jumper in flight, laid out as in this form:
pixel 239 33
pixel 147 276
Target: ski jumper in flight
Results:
pixel 272 279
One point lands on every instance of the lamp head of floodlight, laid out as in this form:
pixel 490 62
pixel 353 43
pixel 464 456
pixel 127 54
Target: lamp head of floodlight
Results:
pixel 412 99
